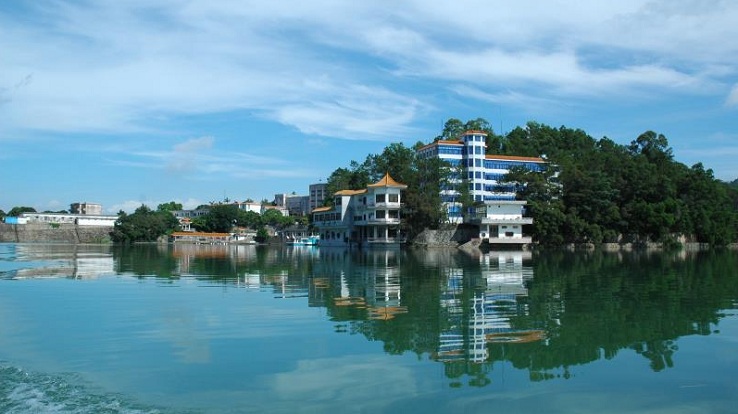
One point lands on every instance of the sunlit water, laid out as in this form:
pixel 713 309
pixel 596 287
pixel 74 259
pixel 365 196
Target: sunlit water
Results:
pixel 247 329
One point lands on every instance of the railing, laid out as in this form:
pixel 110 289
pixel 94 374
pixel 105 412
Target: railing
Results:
pixel 506 220
pixel 510 240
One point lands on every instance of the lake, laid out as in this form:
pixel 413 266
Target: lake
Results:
pixel 256 329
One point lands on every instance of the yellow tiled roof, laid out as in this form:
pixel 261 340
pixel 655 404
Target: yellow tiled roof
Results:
pixel 349 192
pixel 322 209
pixel 387 181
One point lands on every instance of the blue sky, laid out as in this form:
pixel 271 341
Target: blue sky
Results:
pixel 147 101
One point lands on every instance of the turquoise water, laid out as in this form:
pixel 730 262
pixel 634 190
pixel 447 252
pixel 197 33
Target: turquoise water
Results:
pixel 247 329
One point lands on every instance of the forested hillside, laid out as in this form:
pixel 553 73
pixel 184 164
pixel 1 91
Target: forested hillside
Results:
pixel 595 190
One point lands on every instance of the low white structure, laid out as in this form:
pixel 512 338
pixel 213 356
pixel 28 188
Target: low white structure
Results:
pixel 64 218
pixel 501 222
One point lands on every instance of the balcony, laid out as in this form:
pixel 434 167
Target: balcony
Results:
pixel 379 222
pixel 502 220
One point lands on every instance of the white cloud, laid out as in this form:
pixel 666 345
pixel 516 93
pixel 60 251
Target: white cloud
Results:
pixel 352 379
pixel 129 206
pixel 184 155
pixel 733 96
pixel 118 66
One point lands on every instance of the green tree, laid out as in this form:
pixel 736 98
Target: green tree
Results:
pixel 144 225
pixel 452 129
pixel 169 207
pixel 262 235
pixel 353 178
pixel 249 219
pixel 220 219
pixel 18 210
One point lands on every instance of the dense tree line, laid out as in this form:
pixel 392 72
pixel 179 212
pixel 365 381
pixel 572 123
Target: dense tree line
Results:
pixel 143 225
pixel 146 225
pixel 607 192
pixel 222 218
pixel 593 191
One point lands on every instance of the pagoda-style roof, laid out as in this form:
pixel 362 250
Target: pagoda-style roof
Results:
pixel 387 181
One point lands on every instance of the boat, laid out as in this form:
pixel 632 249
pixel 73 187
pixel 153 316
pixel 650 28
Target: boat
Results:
pixel 304 241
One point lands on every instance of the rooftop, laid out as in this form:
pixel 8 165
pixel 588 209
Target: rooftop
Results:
pixel 387 181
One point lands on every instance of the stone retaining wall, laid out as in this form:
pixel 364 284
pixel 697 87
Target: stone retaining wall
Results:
pixel 56 233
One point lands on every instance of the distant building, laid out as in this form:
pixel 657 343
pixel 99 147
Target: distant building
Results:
pixel 318 194
pixel 248 206
pixel 64 218
pixel 296 205
pixel 90 209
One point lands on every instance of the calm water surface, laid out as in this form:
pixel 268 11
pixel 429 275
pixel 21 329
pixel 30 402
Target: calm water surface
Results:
pixel 247 329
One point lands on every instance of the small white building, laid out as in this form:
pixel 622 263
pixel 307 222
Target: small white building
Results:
pixel 501 222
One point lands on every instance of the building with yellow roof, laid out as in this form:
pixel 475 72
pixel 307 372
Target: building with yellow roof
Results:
pixel 363 217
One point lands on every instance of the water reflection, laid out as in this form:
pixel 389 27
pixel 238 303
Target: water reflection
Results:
pixel 58 260
pixel 542 313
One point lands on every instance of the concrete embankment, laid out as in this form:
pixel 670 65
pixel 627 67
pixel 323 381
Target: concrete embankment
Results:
pixel 53 233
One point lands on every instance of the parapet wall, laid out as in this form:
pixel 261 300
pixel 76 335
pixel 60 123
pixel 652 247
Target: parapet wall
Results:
pixel 53 233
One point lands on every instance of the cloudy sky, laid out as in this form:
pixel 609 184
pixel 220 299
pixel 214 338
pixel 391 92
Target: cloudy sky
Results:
pixel 146 101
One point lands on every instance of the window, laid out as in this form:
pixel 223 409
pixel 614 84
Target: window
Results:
pixel 380 214
pixel 394 198
pixel 394 214
pixel 379 198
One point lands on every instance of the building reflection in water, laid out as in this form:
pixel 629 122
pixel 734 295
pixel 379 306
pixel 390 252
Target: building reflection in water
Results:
pixel 64 260
pixel 481 307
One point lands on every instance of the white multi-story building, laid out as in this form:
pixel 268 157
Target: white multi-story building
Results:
pixel 362 217
pixel 498 213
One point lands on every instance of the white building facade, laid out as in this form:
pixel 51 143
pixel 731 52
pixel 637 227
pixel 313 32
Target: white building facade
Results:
pixel 363 217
